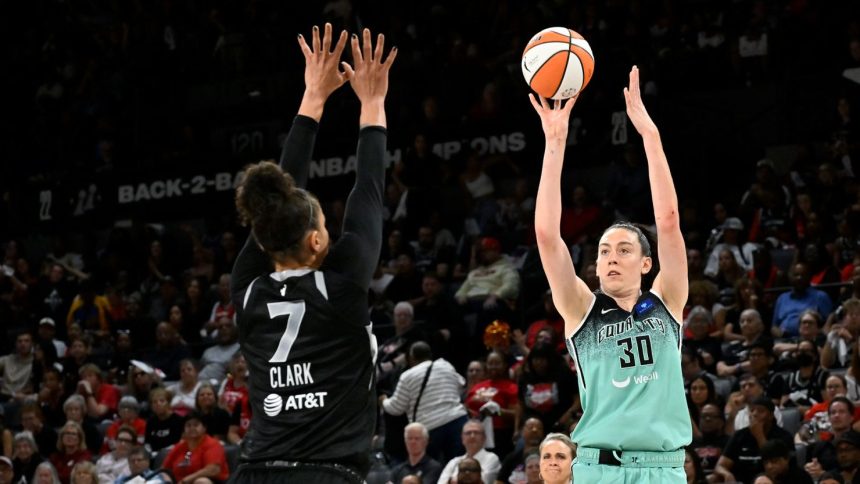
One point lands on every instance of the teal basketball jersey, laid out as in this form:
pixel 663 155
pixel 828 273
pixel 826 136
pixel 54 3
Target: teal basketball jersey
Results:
pixel 629 376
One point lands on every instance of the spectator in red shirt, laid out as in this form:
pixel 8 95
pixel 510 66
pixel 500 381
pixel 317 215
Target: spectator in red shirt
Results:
pixel 71 449
pixel 101 398
pixel 129 414
pixel 500 389
pixel 198 458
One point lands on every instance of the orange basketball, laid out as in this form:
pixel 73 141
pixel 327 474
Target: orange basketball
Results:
pixel 557 63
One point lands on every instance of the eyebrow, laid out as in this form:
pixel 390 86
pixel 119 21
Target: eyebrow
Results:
pixel 607 244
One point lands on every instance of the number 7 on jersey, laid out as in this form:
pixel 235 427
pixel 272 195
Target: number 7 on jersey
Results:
pixel 295 312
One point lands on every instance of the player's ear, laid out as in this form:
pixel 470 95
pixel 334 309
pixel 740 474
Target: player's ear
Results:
pixel 647 262
pixel 314 241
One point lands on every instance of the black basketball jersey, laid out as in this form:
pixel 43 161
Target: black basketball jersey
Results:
pixel 310 378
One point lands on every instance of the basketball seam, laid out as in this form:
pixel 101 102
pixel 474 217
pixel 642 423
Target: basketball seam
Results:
pixel 561 78
pixel 541 67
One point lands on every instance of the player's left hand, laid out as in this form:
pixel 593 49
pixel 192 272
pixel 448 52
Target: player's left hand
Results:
pixel 636 108
pixel 322 71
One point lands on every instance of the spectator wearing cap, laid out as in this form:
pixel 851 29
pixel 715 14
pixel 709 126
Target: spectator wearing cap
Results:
pixel 26 457
pixel 7 471
pixel 490 288
pixel 789 305
pixel 71 449
pixel 198 458
pixel 47 333
pixel 164 426
pixel 115 463
pixel 741 460
pixel 102 398
pixel 779 466
pixel 728 237
pixel 129 416
pixel 848 455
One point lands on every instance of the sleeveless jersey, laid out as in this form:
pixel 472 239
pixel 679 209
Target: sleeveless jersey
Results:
pixel 630 380
pixel 311 380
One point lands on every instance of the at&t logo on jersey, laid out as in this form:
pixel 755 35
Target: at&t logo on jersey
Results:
pixel 273 404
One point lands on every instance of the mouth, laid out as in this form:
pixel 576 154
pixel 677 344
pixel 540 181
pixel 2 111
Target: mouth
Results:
pixel 613 273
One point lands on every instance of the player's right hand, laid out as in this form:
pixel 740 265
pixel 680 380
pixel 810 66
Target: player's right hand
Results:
pixel 322 71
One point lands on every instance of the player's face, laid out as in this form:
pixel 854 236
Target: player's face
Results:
pixel 620 263
pixel 555 459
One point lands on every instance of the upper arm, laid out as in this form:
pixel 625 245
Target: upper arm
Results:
pixel 298 149
pixel 570 294
pixel 356 254
pixel 672 282
pixel 250 263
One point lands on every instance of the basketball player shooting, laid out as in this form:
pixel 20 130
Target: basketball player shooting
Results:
pixel 626 343
pixel 302 302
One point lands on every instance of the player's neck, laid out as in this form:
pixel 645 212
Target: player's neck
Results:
pixel 627 299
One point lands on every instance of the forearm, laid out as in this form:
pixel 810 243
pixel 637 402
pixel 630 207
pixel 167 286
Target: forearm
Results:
pixel 548 201
pixel 312 104
pixel 210 470
pixel 663 195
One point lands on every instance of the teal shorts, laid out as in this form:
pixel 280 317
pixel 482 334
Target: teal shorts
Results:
pixel 635 468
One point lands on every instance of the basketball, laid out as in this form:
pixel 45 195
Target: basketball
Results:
pixel 557 63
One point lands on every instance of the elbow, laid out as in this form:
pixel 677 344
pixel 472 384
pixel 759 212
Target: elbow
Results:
pixel 667 220
pixel 546 234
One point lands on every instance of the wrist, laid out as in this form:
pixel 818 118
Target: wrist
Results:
pixel 312 105
pixel 372 113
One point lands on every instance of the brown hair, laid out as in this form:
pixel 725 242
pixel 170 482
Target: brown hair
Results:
pixel 279 212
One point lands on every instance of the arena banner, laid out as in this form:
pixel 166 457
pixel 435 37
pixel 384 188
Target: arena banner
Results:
pixel 184 193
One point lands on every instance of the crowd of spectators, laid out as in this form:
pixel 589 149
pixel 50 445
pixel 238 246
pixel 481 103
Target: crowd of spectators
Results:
pixel 121 357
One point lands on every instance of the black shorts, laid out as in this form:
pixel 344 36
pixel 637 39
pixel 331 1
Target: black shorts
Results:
pixel 298 472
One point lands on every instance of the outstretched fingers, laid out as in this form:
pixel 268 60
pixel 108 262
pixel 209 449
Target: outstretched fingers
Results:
pixel 341 43
pixel 377 53
pixel 315 39
pixel 366 46
pixel 326 41
pixel 306 50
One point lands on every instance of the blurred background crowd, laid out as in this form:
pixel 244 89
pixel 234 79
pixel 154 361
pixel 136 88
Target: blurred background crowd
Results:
pixel 125 124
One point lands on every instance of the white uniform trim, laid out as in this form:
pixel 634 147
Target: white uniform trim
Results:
pixel 248 293
pixel 320 281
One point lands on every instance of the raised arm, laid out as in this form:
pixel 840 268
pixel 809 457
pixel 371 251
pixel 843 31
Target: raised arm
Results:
pixel 322 77
pixel 356 254
pixel 570 293
pixel 671 283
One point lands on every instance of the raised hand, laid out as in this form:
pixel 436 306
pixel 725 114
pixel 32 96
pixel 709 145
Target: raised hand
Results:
pixel 322 73
pixel 554 116
pixel 368 75
pixel 635 108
